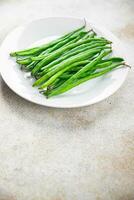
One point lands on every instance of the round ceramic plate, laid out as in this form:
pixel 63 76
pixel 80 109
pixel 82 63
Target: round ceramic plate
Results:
pixel 44 30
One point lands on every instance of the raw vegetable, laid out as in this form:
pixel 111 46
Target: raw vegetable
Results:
pixel 68 61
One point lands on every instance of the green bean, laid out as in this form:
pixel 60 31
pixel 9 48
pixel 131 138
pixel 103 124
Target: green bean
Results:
pixel 65 86
pixel 59 73
pixel 60 66
pixel 55 83
pixel 92 43
pixel 36 50
pixel 66 42
pixel 82 63
pixel 116 59
pixel 58 53
pixel 91 35
pixel 79 57
pixel 68 74
pixel 74 70
pixel 74 50
pixel 89 66
pixel 41 57
pixel 31 65
pixel 73 39
pixel 28 60
pixel 23 61
pixel 39 75
pixel 52 65
pixel 103 65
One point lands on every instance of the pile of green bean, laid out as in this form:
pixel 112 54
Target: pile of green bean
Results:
pixel 68 61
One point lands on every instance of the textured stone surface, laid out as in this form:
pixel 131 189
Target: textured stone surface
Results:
pixel 68 154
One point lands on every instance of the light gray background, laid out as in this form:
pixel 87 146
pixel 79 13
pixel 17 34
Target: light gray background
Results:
pixel 68 154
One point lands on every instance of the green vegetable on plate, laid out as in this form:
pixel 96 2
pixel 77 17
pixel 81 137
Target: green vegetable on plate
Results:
pixel 70 60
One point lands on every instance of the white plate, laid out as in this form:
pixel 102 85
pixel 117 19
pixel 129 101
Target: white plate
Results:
pixel 40 31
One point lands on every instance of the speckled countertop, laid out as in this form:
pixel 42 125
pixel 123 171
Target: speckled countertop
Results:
pixel 68 154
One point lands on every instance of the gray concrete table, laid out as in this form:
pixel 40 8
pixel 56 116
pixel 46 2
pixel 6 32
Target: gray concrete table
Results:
pixel 68 154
